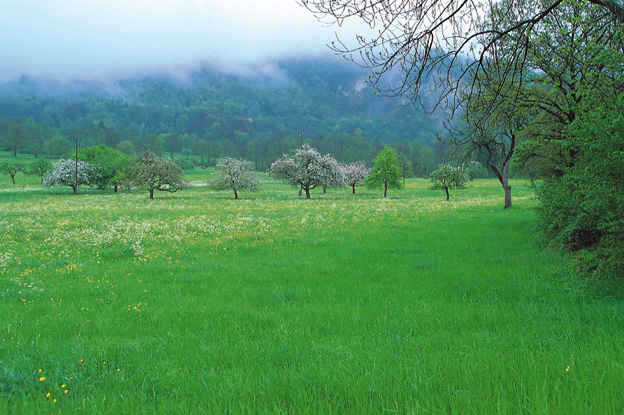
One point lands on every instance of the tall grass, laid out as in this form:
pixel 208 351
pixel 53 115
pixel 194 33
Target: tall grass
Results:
pixel 197 303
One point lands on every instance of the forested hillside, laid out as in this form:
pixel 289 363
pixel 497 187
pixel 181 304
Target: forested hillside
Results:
pixel 208 114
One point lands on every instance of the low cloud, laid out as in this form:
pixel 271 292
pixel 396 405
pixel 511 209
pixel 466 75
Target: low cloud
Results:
pixel 89 40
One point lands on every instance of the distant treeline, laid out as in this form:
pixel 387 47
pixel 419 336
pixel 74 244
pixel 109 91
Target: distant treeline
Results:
pixel 211 115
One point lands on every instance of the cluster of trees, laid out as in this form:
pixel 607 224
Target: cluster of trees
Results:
pixel 532 84
pixel 305 168
pixel 104 167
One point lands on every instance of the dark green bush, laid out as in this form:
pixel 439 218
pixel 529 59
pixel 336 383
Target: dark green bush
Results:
pixel 582 211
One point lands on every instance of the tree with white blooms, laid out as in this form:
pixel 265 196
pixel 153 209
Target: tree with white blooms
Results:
pixel 308 170
pixel 356 174
pixel 67 172
pixel 234 174
pixel 157 173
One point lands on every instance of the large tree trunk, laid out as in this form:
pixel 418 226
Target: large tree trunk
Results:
pixel 506 187
pixel 307 190
pixel 353 189
pixel 75 187
pixel 235 194
pixel 385 189
pixel 151 193
pixel 447 194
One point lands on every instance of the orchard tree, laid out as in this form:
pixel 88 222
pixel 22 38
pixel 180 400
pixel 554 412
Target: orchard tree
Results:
pixel 234 174
pixel 67 172
pixel 12 169
pixel 157 173
pixel 355 174
pixel 386 171
pixel 107 162
pixel 308 170
pixel 448 177
pixel 39 168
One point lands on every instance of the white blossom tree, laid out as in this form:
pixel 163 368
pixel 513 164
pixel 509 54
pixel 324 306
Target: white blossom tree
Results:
pixel 449 177
pixel 355 174
pixel 234 174
pixel 67 172
pixel 308 170
pixel 157 173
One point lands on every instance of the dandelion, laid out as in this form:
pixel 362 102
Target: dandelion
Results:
pixel 42 378
pixel 65 391
pixel 568 369
pixel 48 395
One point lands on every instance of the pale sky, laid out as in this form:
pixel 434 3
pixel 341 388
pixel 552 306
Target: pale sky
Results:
pixel 104 39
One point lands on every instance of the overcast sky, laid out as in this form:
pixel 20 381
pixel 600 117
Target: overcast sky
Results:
pixel 97 39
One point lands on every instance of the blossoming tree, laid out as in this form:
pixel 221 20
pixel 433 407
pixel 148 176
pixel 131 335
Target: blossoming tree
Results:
pixel 308 170
pixel 69 173
pixel 355 174
pixel 234 174
pixel 158 173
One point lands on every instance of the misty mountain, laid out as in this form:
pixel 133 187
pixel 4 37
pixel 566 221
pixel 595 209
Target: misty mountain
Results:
pixel 312 96
pixel 256 113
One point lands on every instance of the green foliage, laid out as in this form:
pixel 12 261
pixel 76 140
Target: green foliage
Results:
pixel 185 164
pixel 39 168
pixel 58 146
pixel 107 161
pixel 582 210
pixel 448 177
pixel 386 171
pixel 476 170
pixel 126 147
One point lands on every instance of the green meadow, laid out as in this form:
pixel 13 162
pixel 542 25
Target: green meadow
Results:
pixel 197 303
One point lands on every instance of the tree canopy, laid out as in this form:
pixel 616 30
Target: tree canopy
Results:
pixel 234 174
pixel 157 173
pixel 386 171
pixel 308 169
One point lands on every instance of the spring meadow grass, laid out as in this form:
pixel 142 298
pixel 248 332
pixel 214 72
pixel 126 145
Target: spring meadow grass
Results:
pixel 197 303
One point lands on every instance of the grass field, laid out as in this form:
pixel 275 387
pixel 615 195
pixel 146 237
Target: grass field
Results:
pixel 196 303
